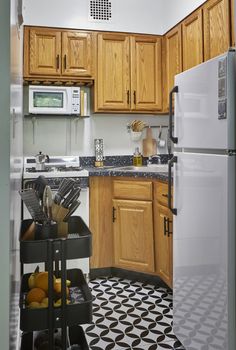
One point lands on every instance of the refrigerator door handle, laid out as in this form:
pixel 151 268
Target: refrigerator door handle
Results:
pixel 173 138
pixel 170 164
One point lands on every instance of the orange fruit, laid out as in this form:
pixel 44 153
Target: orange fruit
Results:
pixel 57 288
pixel 41 280
pixel 35 295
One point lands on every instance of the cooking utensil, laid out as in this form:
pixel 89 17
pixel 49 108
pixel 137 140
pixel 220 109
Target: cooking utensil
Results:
pixel 149 144
pixel 31 201
pixel 40 160
pixel 39 185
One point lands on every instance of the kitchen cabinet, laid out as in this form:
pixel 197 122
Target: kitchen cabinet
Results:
pixel 133 225
pixel 163 231
pixel 216 16
pixel 128 73
pixel 57 54
pixel 100 221
pixel 192 28
pixel 172 59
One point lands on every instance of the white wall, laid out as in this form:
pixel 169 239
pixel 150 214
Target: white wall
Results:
pixel 138 16
pixel 65 136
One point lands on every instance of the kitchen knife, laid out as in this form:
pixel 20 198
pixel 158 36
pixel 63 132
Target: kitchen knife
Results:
pixel 63 190
pixel 49 202
pixel 72 209
pixel 72 196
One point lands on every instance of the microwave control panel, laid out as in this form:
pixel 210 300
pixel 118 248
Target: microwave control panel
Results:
pixel 75 106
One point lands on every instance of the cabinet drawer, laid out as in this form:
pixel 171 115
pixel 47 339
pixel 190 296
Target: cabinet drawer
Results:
pixel 161 193
pixel 140 190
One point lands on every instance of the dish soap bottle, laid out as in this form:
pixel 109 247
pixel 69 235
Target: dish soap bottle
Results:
pixel 137 158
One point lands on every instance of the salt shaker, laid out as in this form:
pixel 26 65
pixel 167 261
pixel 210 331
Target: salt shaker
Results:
pixel 98 146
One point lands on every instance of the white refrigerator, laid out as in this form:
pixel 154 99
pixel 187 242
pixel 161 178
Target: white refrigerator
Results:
pixel 204 204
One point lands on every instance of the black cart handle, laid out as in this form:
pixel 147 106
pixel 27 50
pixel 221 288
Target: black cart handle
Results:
pixel 173 138
pixel 170 164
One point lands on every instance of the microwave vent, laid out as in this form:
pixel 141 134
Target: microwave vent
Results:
pixel 100 10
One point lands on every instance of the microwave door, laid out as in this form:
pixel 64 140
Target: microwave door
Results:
pixel 49 100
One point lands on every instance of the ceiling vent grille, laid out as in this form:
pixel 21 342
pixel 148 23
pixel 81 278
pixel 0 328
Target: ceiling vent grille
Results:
pixel 100 10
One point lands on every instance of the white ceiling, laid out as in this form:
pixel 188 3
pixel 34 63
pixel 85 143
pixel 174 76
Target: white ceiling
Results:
pixel 140 16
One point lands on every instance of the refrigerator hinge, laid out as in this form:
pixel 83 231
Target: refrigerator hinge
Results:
pixel 231 152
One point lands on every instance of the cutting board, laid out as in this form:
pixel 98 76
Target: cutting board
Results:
pixel 149 144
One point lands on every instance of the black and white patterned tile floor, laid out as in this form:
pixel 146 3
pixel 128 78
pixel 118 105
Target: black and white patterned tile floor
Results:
pixel 130 315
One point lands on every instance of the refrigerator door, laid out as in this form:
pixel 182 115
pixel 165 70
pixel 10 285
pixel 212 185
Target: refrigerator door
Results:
pixel 204 251
pixel 205 105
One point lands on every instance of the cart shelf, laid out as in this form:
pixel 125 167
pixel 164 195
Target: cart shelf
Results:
pixel 79 311
pixel 78 243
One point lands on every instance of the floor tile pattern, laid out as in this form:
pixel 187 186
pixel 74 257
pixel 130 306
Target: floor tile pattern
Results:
pixel 130 315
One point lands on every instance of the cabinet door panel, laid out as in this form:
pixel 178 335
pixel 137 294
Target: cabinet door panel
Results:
pixel 173 47
pixel 146 73
pixel 113 85
pixel 44 51
pixel 77 54
pixel 163 244
pixel 193 40
pixel 216 28
pixel 133 235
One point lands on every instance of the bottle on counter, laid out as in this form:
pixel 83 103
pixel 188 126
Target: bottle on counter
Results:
pixel 137 158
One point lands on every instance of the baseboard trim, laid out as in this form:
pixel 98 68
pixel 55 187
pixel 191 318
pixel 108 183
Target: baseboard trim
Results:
pixel 127 274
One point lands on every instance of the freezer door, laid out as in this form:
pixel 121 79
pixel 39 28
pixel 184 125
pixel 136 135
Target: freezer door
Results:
pixel 205 105
pixel 204 251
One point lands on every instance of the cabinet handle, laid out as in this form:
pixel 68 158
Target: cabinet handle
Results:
pixel 128 97
pixel 65 62
pixel 168 227
pixel 113 214
pixel 165 220
pixel 135 97
pixel 58 61
pixel 165 195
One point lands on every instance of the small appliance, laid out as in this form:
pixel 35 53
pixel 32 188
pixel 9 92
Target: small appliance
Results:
pixel 54 100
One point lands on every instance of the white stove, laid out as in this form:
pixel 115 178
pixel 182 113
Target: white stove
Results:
pixel 59 166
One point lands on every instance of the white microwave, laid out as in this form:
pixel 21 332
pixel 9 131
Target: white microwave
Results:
pixel 54 100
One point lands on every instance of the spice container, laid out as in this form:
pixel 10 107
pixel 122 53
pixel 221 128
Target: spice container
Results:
pixel 137 158
pixel 98 146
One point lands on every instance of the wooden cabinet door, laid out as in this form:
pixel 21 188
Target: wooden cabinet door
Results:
pixel 173 61
pixel 192 40
pixel 146 73
pixel 133 235
pixel 113 75
pixel 77 54
pixel 163 243
pixel 44 51
pixel 216 28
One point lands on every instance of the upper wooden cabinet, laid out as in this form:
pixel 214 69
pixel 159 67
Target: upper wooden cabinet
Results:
pixel 57 53
pixel 146 83
pixel 129 73
pixel 216 16
pixel 192 28
pixel 172 59
pixel 113 73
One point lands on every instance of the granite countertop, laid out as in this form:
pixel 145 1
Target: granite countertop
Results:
pixel 108 171
pixel 112 164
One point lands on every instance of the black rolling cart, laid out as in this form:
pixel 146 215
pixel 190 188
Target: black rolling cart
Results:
pixel 67 317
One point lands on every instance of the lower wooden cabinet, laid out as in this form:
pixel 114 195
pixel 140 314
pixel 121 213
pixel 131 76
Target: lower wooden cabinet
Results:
pixel 133 235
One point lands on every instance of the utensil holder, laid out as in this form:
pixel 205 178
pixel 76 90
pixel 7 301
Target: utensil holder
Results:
pixel 45 231
pixel 135 135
